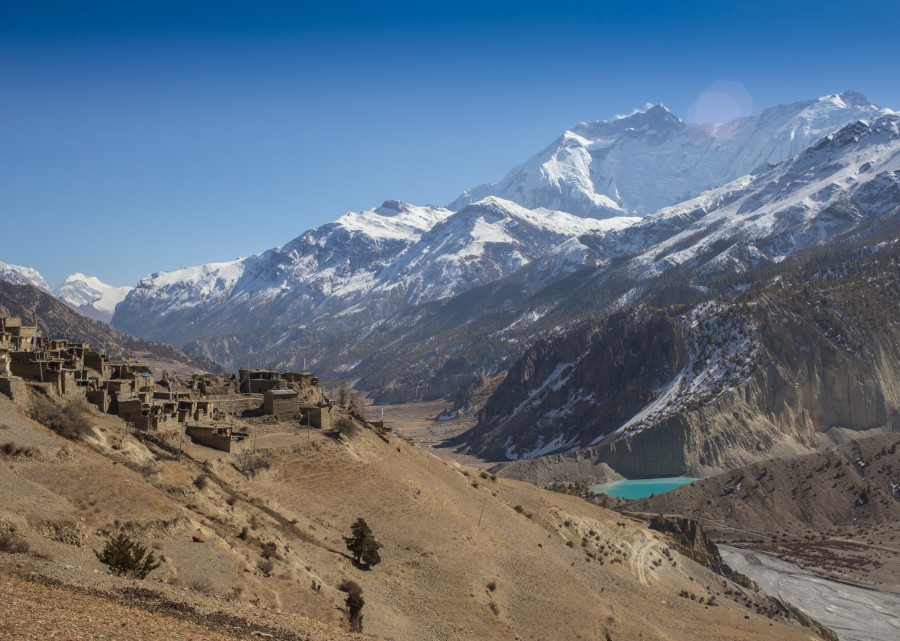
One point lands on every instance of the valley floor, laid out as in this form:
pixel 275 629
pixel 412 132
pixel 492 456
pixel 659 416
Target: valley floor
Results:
pixel 418 422
pixel 854 613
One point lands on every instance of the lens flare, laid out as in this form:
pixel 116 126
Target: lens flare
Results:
pixel 721 102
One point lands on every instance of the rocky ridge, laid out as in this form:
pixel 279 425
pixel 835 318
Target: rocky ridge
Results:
pixel 697 389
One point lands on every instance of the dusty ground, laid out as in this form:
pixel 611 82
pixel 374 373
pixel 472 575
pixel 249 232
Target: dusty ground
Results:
pixel 464 556
pixel 36 607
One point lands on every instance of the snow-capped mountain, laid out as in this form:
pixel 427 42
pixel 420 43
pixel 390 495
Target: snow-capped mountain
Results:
pixel 836 184
pixel 637 164
pixel 370 262
pixel 18 275
pixel 339 293
pixel 567 395
pixel 90 296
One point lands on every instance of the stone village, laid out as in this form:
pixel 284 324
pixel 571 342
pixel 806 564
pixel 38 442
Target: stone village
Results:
pixel 200 405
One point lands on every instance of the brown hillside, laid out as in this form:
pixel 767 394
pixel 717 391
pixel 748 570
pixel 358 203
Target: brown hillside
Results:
pixel 464 556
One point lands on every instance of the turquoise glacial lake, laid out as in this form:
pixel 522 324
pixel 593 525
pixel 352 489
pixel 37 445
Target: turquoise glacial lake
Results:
pixel 642 488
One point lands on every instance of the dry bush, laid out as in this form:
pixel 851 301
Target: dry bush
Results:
pixel 201 482
pixel 265 566
pixel 70 419
pixel 250 464
pixel 344 426
pixel 269 551
pixel 12 450
pixel 201 585
pixel 350 587
pixel 12 544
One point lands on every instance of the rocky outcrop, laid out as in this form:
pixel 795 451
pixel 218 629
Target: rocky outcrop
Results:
pixel 718 386
pixel 566 467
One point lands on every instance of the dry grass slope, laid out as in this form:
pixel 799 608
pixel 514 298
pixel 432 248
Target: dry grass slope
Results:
pixel 464 557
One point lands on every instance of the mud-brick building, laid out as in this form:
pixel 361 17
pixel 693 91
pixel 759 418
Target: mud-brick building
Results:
pixel 217 437
pixel 97 362
pixel 20 338
pixel 315 416
pixel 301 379
pixel 281 402
pixel 259 381
pixel 35 366
pixel 147 414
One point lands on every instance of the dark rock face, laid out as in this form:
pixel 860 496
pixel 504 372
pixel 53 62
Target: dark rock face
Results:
pixel 697 390
pixel 624 362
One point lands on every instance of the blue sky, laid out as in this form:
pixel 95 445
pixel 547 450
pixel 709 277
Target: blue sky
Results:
pixel 139 137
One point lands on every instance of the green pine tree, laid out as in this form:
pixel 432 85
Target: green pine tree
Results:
pixel 126 557
pixel 362 544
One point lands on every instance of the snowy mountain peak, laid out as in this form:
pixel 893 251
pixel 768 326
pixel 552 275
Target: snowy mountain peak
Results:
pixel 600 169
pixel 91 296
pixel 394 219
pixel 854 98
pixel 18 275
pixel 655 116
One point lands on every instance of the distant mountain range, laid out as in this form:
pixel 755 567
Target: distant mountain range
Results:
pixel 87 295
pixel 412 301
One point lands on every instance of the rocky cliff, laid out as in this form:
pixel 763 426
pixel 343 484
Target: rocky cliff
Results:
pixel 656 392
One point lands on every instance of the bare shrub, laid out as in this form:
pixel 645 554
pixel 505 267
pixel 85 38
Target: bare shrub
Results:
pixel 344 426
pixel 201 482
pixel 265 566
pixel 201 585
pixel 269 550
pixel 492 585
pixel 350 586
pixel 12 544
pixel 71 419
pixel 356 405
pixel 12 450
pixel 250 464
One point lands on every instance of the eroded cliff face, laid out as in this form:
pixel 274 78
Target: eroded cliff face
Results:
pixel 717 386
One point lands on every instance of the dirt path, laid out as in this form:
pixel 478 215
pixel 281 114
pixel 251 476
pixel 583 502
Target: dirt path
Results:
pixel 639 556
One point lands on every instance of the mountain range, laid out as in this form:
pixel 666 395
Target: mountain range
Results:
pixel 87 295
pixel 411 302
